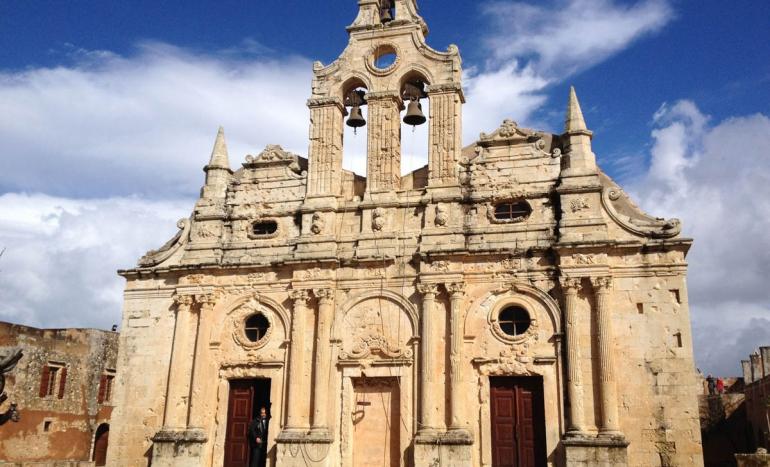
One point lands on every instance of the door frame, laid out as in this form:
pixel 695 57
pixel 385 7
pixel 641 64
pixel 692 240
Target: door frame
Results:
pixel 258 370
pixel 536 386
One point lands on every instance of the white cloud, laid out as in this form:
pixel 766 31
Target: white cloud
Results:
pixel 717 179
pixel 59 266
pixel 111 125
pixel 534 46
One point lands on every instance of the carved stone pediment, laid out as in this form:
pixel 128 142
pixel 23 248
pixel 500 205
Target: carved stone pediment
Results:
pixel 273 154
pixel 510 132
pixel 155 257
pixel 629 216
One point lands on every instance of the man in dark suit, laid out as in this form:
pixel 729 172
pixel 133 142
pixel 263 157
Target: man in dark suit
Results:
pixel 258 438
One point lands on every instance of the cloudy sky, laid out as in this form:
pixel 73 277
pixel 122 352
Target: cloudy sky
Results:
pixel 109 111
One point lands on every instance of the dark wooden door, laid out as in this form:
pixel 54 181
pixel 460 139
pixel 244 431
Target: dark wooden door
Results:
pixel 518 422
pixel 239 414
pixel 100 445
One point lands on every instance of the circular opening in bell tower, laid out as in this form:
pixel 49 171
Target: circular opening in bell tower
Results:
pixel 384 57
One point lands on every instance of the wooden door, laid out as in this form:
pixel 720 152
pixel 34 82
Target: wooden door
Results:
pixel 518 422
pixel 376 423
pixel 101 442
pixel 239 413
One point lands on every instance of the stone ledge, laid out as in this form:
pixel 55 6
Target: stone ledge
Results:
pixel 321 436
pixel 171 435
pixel 578 440
pixel 459 437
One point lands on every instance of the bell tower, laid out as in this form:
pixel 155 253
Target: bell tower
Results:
pixel 384 29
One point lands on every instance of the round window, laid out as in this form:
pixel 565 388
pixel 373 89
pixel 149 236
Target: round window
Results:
pixel 256 327
pixel 514 320
pixel 384 57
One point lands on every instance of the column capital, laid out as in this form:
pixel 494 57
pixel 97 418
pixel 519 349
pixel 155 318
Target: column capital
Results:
pixel 300 296
pixel 571 285
pixel 602 284
pixel 455 289
pixel 428 290
pixel 183 301
pixel 326 102
pixel 207 301
pixel 324 296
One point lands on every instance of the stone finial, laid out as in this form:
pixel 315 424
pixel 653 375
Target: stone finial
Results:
pixel 219 156
pixel 575 121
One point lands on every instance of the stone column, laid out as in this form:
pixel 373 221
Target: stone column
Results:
pixel 571 286
pixel 444 138
pixel 427 346
pixel 456 416
pixel 383 166
pixel 325 151
pixel 199 385
pixel 322 359
pixel 178 391
pixel 296 419
pixel 607 383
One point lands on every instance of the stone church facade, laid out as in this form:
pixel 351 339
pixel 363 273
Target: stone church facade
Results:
pixel 507 304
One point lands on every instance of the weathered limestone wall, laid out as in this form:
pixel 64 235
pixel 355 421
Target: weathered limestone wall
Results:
pixel 53 427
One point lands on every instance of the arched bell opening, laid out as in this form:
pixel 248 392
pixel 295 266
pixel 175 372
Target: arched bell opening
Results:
pixel 415 128
pixel 354 140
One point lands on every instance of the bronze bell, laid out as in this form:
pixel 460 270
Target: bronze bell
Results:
pixel 356 118
pixel 414 115
pixel 386 11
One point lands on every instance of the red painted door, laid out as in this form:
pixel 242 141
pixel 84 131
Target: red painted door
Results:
pixel 518 422
pixel 101 442
pixel 239 414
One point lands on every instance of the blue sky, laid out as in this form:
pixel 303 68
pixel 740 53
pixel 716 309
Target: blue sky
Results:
pixel 110 110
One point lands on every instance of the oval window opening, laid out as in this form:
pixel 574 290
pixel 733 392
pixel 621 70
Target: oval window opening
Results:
pixel 513 211
pixel 384 57
pixel 514 320
pixel 256 327
pixel 264 228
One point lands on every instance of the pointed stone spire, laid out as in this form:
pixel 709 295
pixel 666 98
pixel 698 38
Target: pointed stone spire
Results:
pixel 575 121
pixel 219 157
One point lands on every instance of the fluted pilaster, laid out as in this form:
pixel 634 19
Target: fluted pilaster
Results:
pixel 325 151
pixel 571 286
pixel 180 370
pixel 456 415
pixel 296 418
pixel 322 359
pixel 427 346
pixel 207 303
pixel 607 382
pixel 383 169
pixel 444 140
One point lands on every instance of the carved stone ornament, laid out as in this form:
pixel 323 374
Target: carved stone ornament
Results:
pixel 183 301
pixel 375 344
pixel 579 204
pixel 318 224
pixel 439 266
pixel 238 324
pixel 631 218
pixel 324 295
pixel 378 219
pixel 510 131
pixel 602 284
pixel 455 289
pixel 442 215
pixel 428 289
pixel 300 296
pixel 570 284
pixel 155 257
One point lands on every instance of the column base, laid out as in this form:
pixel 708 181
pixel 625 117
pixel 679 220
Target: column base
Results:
pixel 448 449
pixel 302 447
pixel 173 447
pixel 589 451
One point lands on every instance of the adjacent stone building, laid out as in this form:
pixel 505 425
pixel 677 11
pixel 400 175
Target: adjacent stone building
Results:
pixel 63 388
pixel 507 304
pixel 756 376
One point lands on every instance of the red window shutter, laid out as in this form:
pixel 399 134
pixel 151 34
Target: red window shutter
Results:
pixel 63 382
pixel 44 381
pixel 102 389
